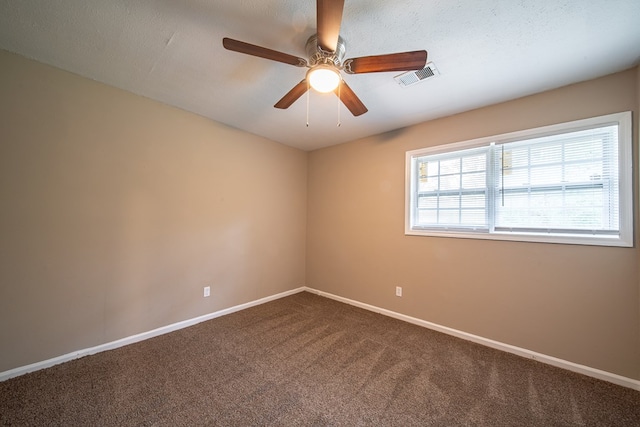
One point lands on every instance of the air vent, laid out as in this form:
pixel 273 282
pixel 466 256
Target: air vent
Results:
pixel 412 77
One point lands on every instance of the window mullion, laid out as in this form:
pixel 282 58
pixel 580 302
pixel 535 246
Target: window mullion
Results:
pixel 460 191
pixel 439 193
pixel 491 187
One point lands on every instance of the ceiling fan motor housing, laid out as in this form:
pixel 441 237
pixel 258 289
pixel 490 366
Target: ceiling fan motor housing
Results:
pixel 318 56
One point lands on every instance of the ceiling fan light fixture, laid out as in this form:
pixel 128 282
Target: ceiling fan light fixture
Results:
pixel 323 78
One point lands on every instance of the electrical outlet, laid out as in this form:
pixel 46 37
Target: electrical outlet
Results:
pixel 207 291
pixel 398 291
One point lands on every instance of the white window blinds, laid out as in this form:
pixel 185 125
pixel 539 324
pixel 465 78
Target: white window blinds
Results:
pixel 562 183
pixel 565 183
pixel 452 190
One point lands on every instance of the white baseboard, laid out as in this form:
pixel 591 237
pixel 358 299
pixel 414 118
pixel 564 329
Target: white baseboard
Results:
pixel 550 360
pixel 139 337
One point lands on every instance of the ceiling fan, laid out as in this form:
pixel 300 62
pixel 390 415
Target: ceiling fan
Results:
pixel 326 51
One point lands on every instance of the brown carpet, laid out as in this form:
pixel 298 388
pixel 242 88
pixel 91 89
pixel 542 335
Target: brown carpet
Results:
pixel 311 361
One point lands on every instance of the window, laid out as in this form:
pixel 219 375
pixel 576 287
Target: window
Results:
pixel 566 183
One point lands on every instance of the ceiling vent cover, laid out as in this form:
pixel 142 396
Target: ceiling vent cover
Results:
pixel 412 77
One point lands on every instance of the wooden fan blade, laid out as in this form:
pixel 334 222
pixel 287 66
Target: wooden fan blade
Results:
pixel 262 52
pixel 293 95
pixel 404 61
pixel 350 99
pixel 329 18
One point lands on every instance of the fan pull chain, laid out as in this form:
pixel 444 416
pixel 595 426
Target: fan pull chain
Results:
pixel 339 102
pixel 308 90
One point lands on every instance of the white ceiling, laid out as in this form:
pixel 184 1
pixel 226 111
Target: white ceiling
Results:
pixel 171 51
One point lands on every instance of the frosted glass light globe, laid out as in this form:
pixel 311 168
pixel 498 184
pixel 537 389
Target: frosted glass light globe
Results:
pixel 323 78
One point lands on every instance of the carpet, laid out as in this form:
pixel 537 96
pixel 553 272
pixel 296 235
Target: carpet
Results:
pixel 306 360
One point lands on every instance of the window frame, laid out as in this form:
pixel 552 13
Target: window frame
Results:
pixel 625 237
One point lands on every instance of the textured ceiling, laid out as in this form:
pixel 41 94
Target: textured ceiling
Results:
pixel 171 51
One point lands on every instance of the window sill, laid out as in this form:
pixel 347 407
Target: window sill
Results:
pixel 566 239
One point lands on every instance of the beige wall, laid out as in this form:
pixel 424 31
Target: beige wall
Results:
pixel 578 303
pixel 117 211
